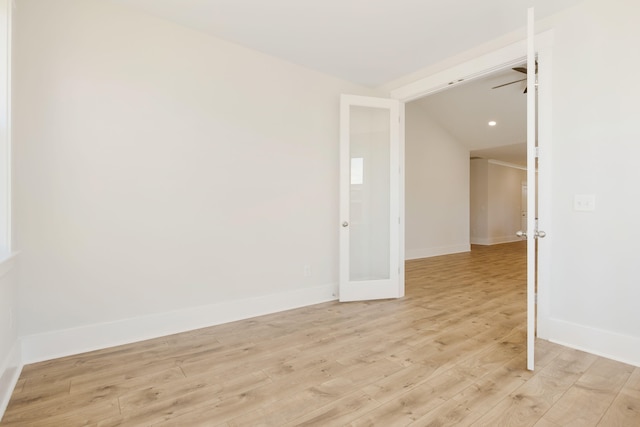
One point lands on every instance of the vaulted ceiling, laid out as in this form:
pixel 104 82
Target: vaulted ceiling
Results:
pixel 370 42
pixel 373 42
pixel 465 111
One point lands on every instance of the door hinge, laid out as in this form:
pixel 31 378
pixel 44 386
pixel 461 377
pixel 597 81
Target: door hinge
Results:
pixel 537 152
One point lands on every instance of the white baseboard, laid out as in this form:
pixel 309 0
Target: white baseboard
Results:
pixel 54 344
pixel 430 252
pixel 487 241
pixel 623 348
pixel 10 369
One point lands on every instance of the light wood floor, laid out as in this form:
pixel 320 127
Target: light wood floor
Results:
pixel 452 352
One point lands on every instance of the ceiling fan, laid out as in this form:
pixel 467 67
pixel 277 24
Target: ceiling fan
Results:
pixel 520 70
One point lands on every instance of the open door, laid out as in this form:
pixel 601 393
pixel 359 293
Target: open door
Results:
pixel 369 199
pixel 532 233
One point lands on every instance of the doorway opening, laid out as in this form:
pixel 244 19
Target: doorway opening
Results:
pixel 427 88
pixel 466 159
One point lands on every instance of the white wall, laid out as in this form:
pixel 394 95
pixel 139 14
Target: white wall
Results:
pixel 10 351
pixel 594 279
pixel 479 201
pixel 588 288
pixel 10 359
pixel 154 174
pixel 165 179
pixel 437 188
pixel 496 202
pixel 505 202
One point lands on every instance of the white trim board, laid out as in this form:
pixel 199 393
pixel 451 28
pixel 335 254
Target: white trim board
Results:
pixel 623 348
pixel 489 241
pixel 431 252
pixel 506 164
pixel 10 370
pixel 483 65
pixel 60 343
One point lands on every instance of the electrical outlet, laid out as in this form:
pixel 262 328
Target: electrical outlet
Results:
pixel 307 270
pixel 584 202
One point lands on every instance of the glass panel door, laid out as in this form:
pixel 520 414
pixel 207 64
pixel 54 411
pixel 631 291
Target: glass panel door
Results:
pixel 369 240
pixel 369 194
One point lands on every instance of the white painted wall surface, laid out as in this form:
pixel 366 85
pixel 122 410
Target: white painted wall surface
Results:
pixel 437 188
pixel 505 202
pixel 10 349
pixel 161 174
pixel 590 295
pixel 594 279
pixel 496 202
pixel 10 358
pixel 479 201
pixel 152 162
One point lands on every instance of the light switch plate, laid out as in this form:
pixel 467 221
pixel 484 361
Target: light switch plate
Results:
pixel 584 202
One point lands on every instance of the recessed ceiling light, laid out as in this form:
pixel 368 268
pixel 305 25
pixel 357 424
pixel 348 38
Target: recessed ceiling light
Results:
pixel 492 123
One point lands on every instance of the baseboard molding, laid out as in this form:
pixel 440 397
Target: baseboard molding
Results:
pixel 9 373
pixel 55 344
pixel 431 252
pixel 623 348
pixel 488 241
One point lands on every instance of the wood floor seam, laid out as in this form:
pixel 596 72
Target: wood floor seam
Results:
pixel 452 352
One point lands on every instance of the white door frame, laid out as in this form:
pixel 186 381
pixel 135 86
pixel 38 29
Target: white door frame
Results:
pixel 482 65
pixel 532 202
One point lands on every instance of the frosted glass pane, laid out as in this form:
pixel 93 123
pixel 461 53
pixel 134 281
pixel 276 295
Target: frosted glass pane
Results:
pixel 369 238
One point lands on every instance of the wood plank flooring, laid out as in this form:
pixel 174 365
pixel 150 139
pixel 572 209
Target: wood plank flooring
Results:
pixel 452 352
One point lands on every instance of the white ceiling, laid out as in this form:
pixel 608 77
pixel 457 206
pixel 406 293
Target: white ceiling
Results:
pixel 370 42
pixel 373 42
pixel 466 109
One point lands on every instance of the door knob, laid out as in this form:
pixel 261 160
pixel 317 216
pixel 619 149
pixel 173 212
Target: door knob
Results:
pixel 521 233
pixel 540 234
pixel 345 224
